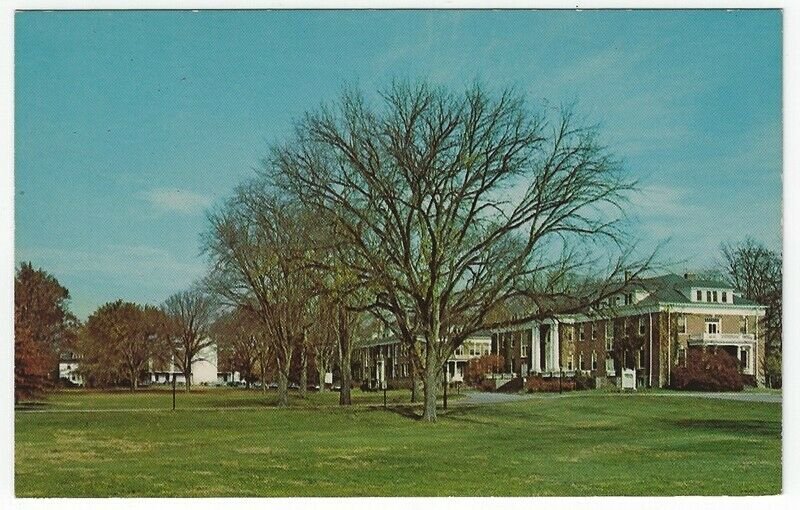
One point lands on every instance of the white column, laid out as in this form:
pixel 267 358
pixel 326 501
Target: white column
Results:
pixel 535 347
pixel 555 347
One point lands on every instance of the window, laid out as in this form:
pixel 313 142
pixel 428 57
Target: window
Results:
pixel 579 327
pixel 699 295
pixel 609 365
pixel 682 324
pixel 640 359
pixel 571 362
pixel 708 296
pixel 724 297
pixel 609 335
pixel 743 358
pixel 594 332
pixel 594 360
pixel 715 296
pixel 524 349
pixel 712 326
pixel 681 358
pixel 641 325
pixel 580 362
pixel 628 299
pixel 743 325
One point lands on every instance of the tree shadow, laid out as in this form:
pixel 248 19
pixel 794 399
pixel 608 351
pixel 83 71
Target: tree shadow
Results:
pixel 762 427
pixel 406 411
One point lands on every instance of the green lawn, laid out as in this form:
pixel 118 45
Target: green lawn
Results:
pixel 580 445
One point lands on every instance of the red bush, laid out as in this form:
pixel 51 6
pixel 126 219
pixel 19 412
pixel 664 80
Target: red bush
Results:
pixel 709 371
pixel 540 384
pixel 477 368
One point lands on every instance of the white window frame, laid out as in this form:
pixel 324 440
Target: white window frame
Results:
pixel 717 325
pixel 594 361
pixel 642 325
pixel 682 324
pixel 609 334
pixel 610 365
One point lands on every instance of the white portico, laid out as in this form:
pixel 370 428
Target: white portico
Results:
pixel 530 348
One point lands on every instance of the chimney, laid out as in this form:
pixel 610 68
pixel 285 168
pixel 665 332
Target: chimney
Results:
pixel 627 276
pixel 689 276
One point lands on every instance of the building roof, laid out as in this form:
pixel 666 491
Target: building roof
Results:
pixel 670 288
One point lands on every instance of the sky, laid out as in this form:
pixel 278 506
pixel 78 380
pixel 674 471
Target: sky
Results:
pixel 129 126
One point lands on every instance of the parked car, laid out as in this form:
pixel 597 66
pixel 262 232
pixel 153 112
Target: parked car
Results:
pixel 273 385
pixel 313 387
pixel 294 386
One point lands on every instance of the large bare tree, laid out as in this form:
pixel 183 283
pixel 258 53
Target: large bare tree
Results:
pixel 757 272
pixel 455 203
pixel 190 314
pixel 257 244
pixel 239 344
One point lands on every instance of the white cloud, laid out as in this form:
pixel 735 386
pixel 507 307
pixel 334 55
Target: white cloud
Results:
pixel 176 200
pixel 141 262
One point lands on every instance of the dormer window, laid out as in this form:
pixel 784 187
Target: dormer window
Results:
pixel 715 296
pixel 724 297
pixel 708 295
pixel 699 295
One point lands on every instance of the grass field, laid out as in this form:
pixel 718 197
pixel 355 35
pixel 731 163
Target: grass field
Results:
pixel 226 443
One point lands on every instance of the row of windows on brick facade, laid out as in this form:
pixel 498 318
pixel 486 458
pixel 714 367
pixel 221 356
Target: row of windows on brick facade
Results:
pixel 744 326
pixel 609 361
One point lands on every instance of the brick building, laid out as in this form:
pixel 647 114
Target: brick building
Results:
pixel 652 326
pixel 389 355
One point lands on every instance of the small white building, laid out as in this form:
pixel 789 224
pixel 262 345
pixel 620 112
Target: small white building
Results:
pixel 68 368
pixel 204 370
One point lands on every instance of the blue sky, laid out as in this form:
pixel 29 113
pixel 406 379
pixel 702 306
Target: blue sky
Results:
pixel 130 124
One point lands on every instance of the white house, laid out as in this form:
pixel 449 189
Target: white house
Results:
pixel 204 369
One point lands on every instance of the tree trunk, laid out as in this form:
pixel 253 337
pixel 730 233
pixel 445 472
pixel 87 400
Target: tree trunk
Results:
pixel 345 359
pixel 263 375
pixel 345 370
pixel 431 386
pixel 283 388
pixel 321 371
pixel 303 372
pixel 414 382
pixel 432 375
pixel 187 375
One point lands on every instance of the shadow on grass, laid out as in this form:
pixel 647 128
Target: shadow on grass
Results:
pixel 763 427
pixel 410 412
pixel 28 406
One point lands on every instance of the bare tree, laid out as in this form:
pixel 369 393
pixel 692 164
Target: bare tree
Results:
pixel 190 314
pixel 238 344
pixel 453 204
pixel 257 245
pixel 756 272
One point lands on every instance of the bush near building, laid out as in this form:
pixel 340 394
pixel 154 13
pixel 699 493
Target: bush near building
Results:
pixel 709 371
pixel 477 368
pixel 551 385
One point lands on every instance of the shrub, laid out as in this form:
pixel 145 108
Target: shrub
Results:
pixel 540 384
pixel 583 382
pixel 709 371
pixel 477 368
pixel 486 385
